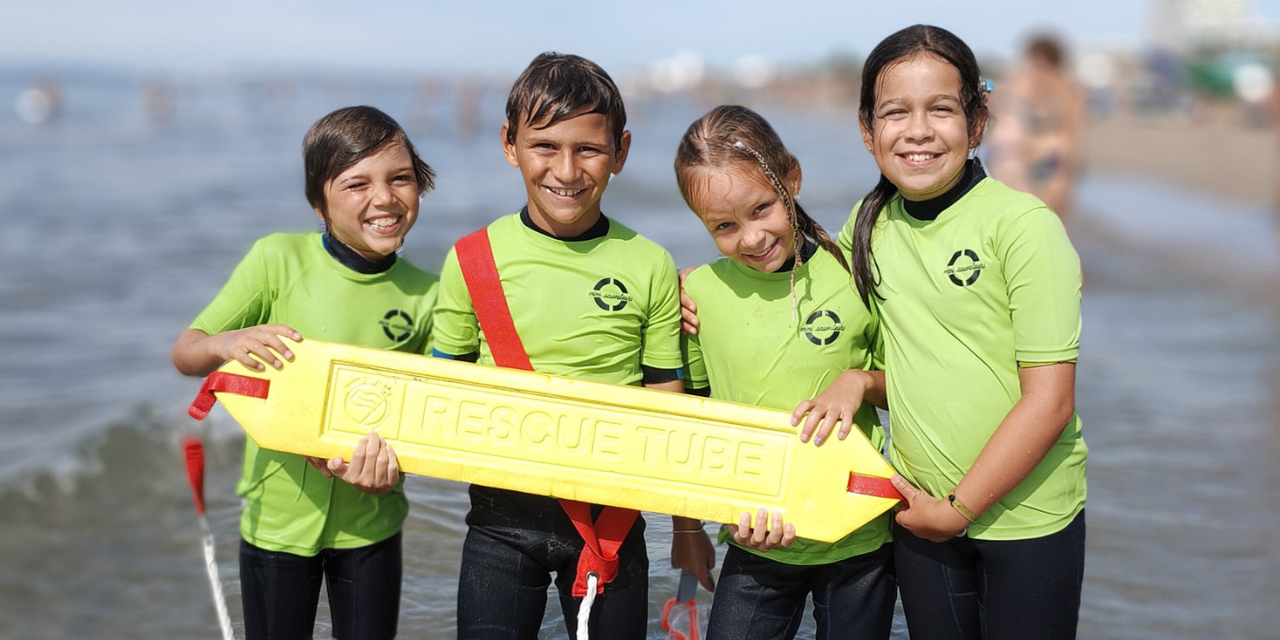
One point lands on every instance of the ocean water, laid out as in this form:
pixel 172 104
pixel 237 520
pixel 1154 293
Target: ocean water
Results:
pixel 117 225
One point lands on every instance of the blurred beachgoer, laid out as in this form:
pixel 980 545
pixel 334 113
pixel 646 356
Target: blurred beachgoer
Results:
pixel 301 526
pixel 159 100
pixel 1037 112
pixel 40 103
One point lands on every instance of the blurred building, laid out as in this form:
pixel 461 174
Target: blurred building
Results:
pixel 1196 26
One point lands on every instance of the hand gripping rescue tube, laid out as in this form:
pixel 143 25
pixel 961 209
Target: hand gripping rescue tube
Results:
pixel 549 435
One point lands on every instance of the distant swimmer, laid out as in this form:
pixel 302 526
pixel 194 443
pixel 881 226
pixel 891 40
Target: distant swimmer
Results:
pixel 1035 138
pixel 41 103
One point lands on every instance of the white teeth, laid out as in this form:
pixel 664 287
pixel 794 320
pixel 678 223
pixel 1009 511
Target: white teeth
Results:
pixel 564 192
pixel 919 157
pixel 382 223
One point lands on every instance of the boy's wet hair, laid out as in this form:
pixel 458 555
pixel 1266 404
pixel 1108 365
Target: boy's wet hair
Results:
pixel 900 47
pixel 556 86
pixel 343 138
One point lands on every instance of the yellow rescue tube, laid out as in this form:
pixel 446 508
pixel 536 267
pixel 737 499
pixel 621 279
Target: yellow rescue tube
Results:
pixel 556 436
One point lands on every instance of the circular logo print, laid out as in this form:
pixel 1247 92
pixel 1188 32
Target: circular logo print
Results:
pixel 820 332
pixel 958 267
pixel 610 294
pixel 397 325
pixel 366 404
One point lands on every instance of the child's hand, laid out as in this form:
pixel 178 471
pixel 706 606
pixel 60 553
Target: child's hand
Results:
pixel 692 551
pixel 926 516
pixel 373 468
pixel 688 310
pixel 262 341
pixel 760 537
pixel 838 402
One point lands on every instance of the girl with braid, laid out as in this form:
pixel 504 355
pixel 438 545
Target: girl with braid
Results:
pixel 781 327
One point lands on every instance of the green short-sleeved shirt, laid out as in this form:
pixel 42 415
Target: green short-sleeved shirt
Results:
pixel 992 282
pixel 752 348
pixel 596 309
pixel 292 279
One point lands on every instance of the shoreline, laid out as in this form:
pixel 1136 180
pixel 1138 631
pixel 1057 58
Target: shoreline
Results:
pixel 1233 161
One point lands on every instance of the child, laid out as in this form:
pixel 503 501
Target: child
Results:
pixel 977 290
pixel 300 526
pixel 588 298
pixel 780 323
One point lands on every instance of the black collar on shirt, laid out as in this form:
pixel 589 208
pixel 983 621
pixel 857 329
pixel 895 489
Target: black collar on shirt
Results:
pixel 932 208
pixel 806 252
pixel 598 230
pixel 347 257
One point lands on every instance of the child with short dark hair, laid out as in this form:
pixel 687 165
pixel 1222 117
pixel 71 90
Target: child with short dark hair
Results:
pixel 588 298
pixel 301 526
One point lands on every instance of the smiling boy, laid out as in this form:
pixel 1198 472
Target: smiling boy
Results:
pixel 589 298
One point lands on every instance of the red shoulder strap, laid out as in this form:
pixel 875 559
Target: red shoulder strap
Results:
pixel 603 537
pixel 475 258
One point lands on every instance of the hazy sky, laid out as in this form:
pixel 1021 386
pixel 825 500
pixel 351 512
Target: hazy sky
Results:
pixel 503 35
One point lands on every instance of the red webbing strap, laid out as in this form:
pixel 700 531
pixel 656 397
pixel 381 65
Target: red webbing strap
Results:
pixel 873 486
pixel 601 542
pixel 475 258
pixel 230 383
pixel 603 537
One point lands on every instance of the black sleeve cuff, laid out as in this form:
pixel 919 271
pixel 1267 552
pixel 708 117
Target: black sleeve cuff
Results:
pixel 653 375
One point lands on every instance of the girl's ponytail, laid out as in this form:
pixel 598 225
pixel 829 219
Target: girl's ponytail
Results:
pixel 866 274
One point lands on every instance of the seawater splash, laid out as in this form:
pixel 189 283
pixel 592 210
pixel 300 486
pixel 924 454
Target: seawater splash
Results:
pixel 119 532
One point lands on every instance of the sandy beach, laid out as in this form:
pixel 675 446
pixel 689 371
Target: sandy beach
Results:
pixel 1234 161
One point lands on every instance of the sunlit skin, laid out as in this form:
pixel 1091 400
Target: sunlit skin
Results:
pixel 920 138
pixel 373 204
pixel 746 217
pixel 566 168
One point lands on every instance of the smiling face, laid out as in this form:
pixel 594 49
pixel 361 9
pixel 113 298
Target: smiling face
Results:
pixel 566 167
pixel 921 138
pixel 745 215
pixel 374 203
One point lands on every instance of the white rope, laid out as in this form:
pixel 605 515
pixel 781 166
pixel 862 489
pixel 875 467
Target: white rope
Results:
pixel 219 602
pixel 584 609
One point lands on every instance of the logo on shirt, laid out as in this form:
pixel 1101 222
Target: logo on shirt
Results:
pixel 397 324
pixel 964 268
pixel 822 327
pixel 610 294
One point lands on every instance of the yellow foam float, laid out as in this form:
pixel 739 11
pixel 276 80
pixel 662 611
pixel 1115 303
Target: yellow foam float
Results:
pixel 561 437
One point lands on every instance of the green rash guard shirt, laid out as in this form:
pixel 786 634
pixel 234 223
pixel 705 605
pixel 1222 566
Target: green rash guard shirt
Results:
pixel 596 309
pixel 753 348
pixel 291 279
pixel 991 284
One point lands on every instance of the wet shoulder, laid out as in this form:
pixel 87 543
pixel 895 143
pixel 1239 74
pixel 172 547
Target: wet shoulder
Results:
pixel 708 277
pixel 288 242
pixel 414 279
pixel 998 200
pixel 623 245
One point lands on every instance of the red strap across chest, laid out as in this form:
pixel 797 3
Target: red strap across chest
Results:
pixel 604 536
